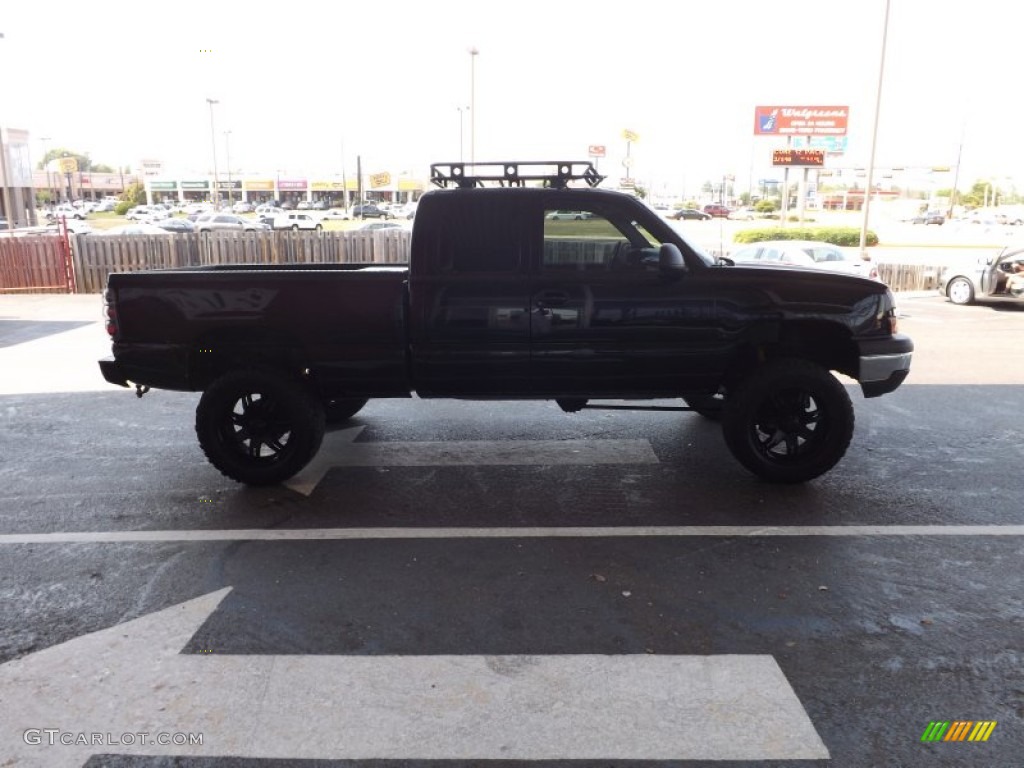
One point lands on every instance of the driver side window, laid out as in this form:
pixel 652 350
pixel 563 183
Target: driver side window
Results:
pixel 579 241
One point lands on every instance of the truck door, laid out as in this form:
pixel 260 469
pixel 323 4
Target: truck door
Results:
pixel 469 297
pixel 606 323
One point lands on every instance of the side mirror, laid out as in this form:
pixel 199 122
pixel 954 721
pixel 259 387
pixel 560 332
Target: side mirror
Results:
pixel 670 259
pixel 726 261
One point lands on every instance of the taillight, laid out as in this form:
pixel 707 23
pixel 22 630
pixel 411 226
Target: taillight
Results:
pixel 110 313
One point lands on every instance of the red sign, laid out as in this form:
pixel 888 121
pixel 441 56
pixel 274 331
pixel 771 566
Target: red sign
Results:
pixel 800 121
pixel 596 150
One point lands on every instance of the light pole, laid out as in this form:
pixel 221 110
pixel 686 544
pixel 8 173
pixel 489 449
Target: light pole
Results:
pixel 46 167
pixel 874 135
pixel 462 111
pixel 473 53
pixel 8 213
pixel 213 138
pixel 227 157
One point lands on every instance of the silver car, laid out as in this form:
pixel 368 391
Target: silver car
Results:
pixel 985 279
pixel 814 254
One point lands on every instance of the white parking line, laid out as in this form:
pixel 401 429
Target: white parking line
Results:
pixel 129 677
pixel 583 532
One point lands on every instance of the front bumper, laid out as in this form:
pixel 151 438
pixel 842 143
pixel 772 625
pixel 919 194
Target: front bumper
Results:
pixel 884 364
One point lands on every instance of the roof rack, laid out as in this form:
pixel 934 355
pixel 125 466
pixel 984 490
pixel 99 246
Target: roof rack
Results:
pixel 557 173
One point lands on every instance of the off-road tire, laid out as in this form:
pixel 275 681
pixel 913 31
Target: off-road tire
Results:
pixel 789 422
pixel 259 427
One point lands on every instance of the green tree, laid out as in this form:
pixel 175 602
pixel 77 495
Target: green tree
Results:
pixel 85 163
pixel 134 194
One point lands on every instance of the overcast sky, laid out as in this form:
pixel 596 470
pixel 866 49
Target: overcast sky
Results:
pixel 306 86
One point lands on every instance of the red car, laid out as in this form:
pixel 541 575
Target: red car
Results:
pixel 714 209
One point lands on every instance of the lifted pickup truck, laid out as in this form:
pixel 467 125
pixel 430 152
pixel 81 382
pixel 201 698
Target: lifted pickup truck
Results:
pixel 502 301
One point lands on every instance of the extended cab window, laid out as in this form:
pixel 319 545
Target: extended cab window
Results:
pixel 588 241
pixel 476 235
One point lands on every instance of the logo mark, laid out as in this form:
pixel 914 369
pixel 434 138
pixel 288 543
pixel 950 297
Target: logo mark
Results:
pixel 958 730
pixel 768 122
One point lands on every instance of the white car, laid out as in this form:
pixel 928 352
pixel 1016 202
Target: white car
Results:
pixel 336 213
pixel 804 253
pixel 65 212
pixel 296 220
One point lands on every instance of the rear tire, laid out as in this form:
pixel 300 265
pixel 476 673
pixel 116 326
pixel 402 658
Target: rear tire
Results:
pixel 259 427
pixel 790 422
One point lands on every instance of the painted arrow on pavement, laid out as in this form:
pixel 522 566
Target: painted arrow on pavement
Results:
pixel 131 679
pixel 340 449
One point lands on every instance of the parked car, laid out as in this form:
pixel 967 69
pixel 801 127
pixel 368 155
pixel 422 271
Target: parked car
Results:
pixel 66 212
pixel 228 222
pixel 369 211
pixel 373 226
pixel 985 279
pixel 994 217
pixel 569 215
pixel 296 220
pixel 242 207
pixel 690 213
pixel 176 225
pixel 805 253
pixel 336 214
pixel 104 206
pixel 743 214
pixel 716 210
pixel 132 229
pixel 929 217
pixel 74 227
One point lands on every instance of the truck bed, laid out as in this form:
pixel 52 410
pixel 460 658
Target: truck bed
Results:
pixel 344 322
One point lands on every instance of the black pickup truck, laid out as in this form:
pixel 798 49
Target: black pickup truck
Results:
pixel 504 299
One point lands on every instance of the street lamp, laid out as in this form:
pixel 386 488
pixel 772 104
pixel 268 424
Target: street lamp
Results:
pixel 227 157
pixel 462 111
pixel 869 184
pixel 213 138
pixel 473 53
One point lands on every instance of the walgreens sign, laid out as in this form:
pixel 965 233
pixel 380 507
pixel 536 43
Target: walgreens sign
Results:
pixel 800 121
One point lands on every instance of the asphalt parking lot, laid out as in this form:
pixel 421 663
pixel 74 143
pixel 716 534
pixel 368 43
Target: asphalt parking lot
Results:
pixel 459 582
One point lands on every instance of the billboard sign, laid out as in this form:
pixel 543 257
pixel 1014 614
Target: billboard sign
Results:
pixel 800 121
pixel 596 150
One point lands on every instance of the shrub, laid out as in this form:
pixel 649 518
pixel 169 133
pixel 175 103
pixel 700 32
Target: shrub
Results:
pixel 122 207
pixel 841 236
pixel 765 206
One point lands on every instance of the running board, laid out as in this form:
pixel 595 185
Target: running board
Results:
pixel 640 407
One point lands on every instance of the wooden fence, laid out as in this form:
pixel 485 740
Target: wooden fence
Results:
pixel 42 263
pixel 910 277
pixel 97 255
pixel 35 264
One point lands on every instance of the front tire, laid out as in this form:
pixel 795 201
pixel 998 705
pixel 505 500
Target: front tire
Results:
pixel 259 427
pixel 790 422
pixel 960 291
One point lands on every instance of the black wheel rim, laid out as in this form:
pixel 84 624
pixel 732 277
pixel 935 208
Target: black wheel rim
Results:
pixel 257 427
pixel 788 426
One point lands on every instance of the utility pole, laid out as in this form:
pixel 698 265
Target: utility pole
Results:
pixel 215 197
